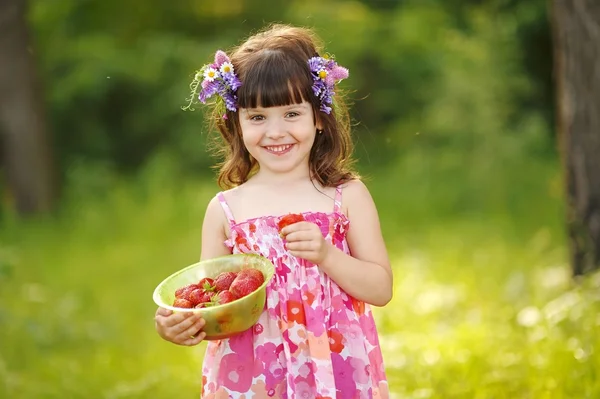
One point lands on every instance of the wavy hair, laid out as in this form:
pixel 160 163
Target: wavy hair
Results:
pixel 272 66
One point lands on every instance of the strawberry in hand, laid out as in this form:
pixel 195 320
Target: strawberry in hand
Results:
pixel 305 240
pixel 287 220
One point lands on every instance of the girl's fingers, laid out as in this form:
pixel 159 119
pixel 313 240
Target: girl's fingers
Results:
pixel 163 312
pixel 301 235
pixel 195 340
pixel 302 246
pixel 296 227
pixel 173 319
pixel 308 255
pixel 189 334
pixel 187 323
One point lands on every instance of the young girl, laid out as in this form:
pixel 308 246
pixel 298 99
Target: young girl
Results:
pixel 288 151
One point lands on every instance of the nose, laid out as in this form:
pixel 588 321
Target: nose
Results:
pixel 275 130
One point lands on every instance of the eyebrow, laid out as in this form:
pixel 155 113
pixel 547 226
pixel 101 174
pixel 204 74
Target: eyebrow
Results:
pixel 303 105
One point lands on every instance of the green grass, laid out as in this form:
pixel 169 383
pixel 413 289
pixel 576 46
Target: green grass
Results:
pixel 484 305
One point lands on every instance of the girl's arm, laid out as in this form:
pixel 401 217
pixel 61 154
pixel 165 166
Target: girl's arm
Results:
pixel 185 328
pixel 366 274
pixel 213 232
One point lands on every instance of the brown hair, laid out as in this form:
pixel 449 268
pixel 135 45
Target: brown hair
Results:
pixel 272 66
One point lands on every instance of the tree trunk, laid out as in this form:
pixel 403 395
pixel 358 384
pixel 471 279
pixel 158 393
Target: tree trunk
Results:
pixel 576 29
pixel 26 148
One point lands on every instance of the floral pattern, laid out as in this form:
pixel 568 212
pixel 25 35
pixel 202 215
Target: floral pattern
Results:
pixel 311 341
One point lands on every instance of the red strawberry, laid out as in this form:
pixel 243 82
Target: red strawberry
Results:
pixel 288 219
pixel 205 300
pixel 207 296
pixel 224 280
pixel 196 296
pixel 182 303
pixel 207 284
pixel 185 290
pixel 244 285
pixel 224 297
pixel 255 273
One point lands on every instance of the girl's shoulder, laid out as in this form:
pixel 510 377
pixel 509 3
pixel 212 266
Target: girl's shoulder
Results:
pixel 355 195
pixel 233 193
pixel 354 188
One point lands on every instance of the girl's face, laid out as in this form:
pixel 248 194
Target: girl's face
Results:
pixel 279 138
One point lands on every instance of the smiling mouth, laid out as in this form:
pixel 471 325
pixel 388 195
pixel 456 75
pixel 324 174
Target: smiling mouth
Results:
pixel 279 149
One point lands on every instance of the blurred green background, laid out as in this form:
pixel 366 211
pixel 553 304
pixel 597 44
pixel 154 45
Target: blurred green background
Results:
pixel 453 103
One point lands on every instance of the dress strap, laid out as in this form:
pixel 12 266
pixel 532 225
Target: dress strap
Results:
pixel 225 207
pixel 337 202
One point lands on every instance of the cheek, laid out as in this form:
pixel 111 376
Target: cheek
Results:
pixel 310 137
pixel 251 142
pixel 250 135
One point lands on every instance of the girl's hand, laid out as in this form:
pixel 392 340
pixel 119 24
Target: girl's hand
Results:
pixel 305 240
pixel 180 328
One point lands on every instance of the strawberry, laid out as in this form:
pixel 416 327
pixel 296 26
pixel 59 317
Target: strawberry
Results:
pixel 182 303
pixel 207 284
pixel 244 285
pixel 185 290
pixel 255 273
pixel 224 280
pixel 221 298
pixel 288 219
pixel 196 296
pixel 224 297
pixel 206 296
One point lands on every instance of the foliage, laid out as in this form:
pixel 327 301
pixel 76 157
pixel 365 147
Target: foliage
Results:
pixel 483 306
pixel 116 74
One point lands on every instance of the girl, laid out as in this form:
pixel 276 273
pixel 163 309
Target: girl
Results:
pixel 288 151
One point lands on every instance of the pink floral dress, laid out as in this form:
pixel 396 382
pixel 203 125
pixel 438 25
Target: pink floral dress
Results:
pixel 312 340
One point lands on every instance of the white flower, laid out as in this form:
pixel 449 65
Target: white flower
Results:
pixel 210 74
pixel 227 67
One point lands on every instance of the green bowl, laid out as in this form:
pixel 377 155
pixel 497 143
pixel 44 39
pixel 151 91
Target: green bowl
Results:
pixel 226 320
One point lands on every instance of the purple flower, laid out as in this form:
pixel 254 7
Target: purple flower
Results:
pixel 208 91
pixel 220 58
pixel 326 73
pixel 315 63
pixel 230 101
pixel 336 73
pixel 232 81
pixel 224 84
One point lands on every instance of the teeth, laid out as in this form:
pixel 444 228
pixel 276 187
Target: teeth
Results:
pixel 279 148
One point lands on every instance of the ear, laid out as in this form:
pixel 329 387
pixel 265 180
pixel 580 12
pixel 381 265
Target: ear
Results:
pixel 318 123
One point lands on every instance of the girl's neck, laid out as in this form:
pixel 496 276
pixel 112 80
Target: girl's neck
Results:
pixel 281 179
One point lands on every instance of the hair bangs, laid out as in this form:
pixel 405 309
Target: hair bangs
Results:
pixel 275 80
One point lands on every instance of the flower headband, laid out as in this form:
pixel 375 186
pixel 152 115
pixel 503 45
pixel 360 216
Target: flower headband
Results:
pixel 216 78
pixel 219 78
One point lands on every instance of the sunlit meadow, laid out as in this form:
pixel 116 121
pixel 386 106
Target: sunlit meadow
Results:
pixel 484 304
